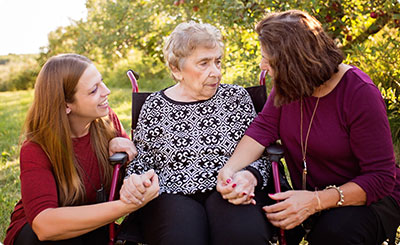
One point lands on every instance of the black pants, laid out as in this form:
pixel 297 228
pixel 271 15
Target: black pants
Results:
pixel 200 219
pixel 27 237
pixel 349 225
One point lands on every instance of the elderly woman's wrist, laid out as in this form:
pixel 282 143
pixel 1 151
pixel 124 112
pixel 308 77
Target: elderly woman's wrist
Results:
pixel 255 175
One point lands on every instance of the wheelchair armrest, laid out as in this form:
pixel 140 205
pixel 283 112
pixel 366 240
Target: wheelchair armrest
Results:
pixel 118 158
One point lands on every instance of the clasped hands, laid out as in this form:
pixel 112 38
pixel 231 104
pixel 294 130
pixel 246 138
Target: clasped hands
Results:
pixel 140 189
pixel 136 189
pixel 292 209
pixel 237 188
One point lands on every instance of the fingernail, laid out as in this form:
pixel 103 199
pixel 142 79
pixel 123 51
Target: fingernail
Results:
pixel 234 185
pixel 252 195
pixel 228 181
pixel 244 193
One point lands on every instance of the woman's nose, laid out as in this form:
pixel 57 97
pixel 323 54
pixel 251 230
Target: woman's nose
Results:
pixel 105 90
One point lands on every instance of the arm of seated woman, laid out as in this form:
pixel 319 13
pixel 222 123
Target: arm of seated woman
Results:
pixel 68 222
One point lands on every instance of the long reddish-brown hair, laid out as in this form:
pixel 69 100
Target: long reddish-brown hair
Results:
pixel 301 55
pixel 47 125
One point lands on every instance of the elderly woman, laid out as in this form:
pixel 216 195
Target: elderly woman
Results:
pixel 332 122
pixel 186 133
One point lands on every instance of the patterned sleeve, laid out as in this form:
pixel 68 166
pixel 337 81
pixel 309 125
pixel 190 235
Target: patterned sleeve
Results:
pixel 140 164
pixel 260 168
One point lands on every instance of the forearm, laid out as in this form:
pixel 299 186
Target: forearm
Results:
pixel 247 151
pixel 353 195
pixel 68 222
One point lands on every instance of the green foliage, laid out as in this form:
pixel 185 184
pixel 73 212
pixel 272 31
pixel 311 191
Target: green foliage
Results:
pixel 18 72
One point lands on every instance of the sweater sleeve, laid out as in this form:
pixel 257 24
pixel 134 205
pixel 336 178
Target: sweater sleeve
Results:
pixel 265 127
pixel 38 186
pixel 260 168
pixel 371 143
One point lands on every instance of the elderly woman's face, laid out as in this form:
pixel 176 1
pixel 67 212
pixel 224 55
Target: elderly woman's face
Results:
pixel 264 64
pixel 200 74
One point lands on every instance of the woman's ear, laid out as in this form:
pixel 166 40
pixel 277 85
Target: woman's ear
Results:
pixel 176 73
pixel 67 110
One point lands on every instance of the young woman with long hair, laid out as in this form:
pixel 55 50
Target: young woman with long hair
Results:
pixel 68 135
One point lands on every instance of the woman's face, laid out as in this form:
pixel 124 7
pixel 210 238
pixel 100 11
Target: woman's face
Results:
pixel 200 74
pixel 90 97
pixel 264 64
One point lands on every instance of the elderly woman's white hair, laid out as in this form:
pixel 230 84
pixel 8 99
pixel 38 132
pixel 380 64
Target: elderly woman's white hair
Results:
pixel 186 38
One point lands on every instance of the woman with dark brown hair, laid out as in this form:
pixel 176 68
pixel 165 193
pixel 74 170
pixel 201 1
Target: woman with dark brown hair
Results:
pixel 331 120
pixel 69 133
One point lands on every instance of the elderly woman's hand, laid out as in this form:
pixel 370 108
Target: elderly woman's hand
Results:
pixel 121 144
pixel 294 207
pixel 240 190
pixel 140 189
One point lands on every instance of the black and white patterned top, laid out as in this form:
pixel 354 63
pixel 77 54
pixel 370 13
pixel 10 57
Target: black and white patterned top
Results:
pixel 187 143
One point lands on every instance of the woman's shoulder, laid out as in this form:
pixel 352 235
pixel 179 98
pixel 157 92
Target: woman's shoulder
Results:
pixel 32 152
pixel 356 79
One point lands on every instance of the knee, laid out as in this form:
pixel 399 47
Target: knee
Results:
pixel 240 235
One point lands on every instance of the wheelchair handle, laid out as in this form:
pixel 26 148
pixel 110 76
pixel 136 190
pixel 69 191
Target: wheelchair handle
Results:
pixel 275 152
pixel 118 158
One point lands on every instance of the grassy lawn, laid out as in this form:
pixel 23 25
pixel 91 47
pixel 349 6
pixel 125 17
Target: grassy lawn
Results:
pixel 13 107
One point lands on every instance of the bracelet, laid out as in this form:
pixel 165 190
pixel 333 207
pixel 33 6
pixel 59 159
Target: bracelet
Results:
pixel 341 196
pixel 319 201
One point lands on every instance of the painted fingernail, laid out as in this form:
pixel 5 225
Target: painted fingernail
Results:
pixel 252 195
pixel 244 193
pixel 228 181
pixel 234 185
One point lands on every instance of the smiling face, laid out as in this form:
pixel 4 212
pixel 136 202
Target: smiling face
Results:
pixel 200 74
pixel 90 99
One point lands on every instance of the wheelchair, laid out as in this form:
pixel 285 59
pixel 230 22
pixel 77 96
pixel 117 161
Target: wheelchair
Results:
pixel 258 96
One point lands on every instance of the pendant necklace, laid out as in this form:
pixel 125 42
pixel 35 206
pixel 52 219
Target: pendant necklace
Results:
pixel 304 145
pixel 101 195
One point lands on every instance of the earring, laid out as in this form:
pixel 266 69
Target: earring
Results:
pixel 68 110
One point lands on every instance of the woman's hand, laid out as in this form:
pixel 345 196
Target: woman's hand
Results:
pixel 239 189
pixel 121 144
pixel 294 207
pixel 140 189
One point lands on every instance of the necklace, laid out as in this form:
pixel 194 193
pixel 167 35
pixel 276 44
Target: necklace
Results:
pixel 304 145
pixel 101 195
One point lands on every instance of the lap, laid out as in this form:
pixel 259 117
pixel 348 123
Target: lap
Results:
pixel 173 219
pixel 237 224
pixel 180 219
pixel 346 225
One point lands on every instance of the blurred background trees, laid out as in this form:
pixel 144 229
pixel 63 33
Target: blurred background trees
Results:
pixel 124 34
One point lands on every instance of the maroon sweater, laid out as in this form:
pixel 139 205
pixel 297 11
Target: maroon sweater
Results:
pixel 38 186
pixel 349 140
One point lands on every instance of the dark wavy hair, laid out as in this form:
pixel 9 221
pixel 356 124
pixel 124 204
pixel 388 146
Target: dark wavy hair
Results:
pixel 301 55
